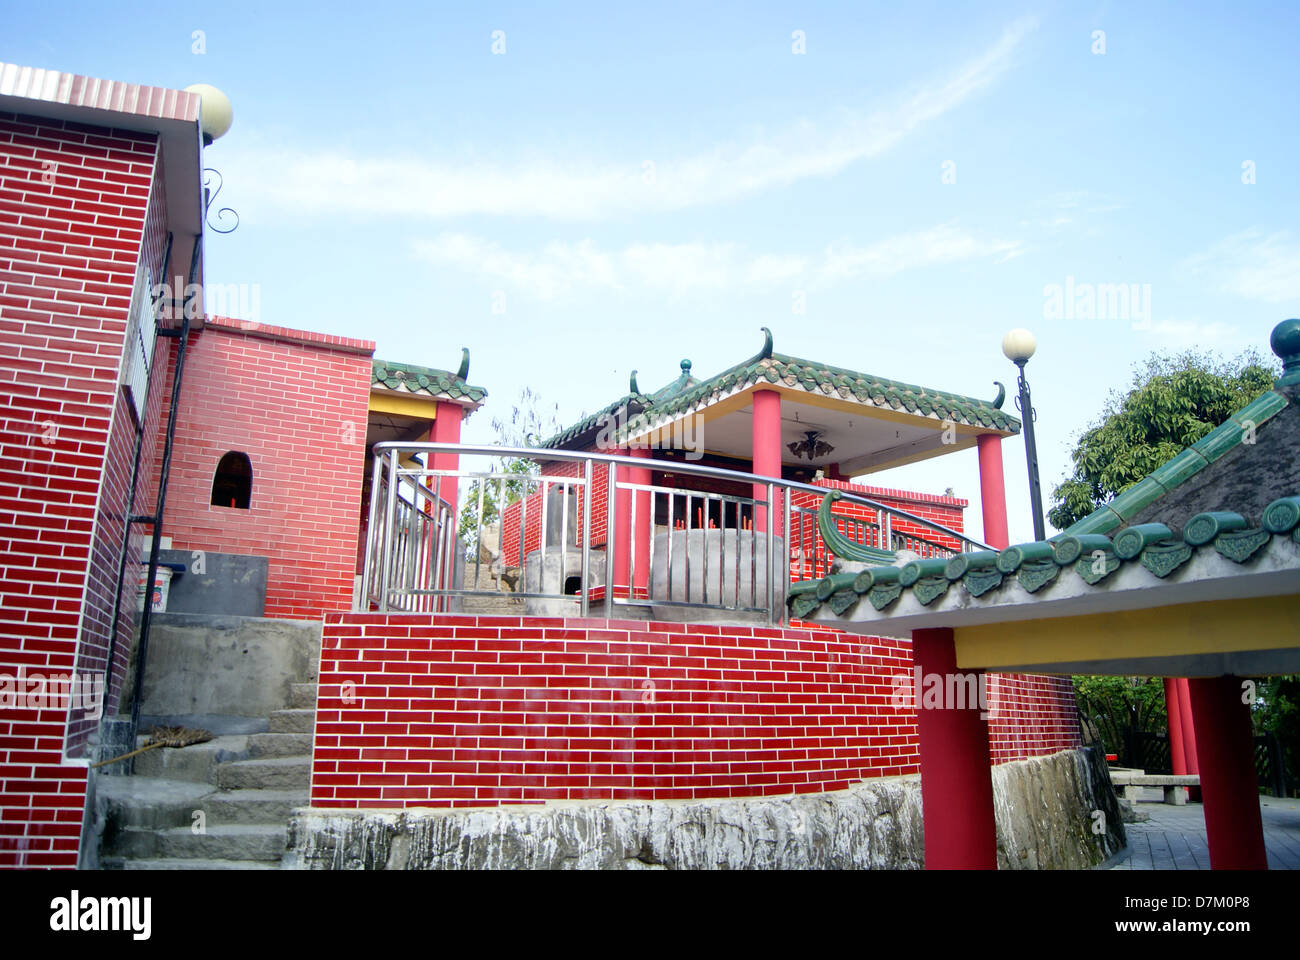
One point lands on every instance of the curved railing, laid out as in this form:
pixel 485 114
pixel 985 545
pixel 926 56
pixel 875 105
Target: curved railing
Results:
pixel 569 542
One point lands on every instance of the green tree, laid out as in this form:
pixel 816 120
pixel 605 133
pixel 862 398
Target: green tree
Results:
pixel 1111 709
pixel 1174 401
pixel 530 423
pixel 1277 711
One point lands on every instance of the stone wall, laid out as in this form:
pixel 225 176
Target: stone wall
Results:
pixel 1045 813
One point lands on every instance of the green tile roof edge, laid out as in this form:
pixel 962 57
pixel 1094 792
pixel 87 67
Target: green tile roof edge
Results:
pixel 1093 558
pixel 810 375
pixel 1224 438
pixel 435 382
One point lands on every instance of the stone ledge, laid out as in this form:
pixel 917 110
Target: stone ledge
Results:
pixel 1044 806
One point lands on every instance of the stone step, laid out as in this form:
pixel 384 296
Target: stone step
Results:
pixel 293 721
pixel 118 863
pixel 303 695
pixel 151 803
pixel 273 773
pixel 493 606
pixel 263 842
pixel 194 763
pixel 161 804
pixel 262 745
pixel 270 807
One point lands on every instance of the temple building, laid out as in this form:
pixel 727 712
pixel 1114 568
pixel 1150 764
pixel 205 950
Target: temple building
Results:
pixel 377 627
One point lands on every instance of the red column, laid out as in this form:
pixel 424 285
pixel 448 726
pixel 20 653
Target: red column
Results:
pixel 643 526
pixel 993 491
pixel 956 785
pixel 1233 826
pixel 1189 736
pixel 622 529
pixel 446 429
pixel 767 447
pixel 1173 708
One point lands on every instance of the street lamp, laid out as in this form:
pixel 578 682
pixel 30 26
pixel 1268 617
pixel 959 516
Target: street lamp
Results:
pixel 1019 346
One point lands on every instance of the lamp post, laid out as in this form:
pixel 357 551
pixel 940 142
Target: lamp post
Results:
pixel 1019 345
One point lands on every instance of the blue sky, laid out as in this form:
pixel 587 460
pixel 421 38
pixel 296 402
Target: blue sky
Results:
pixel 623 188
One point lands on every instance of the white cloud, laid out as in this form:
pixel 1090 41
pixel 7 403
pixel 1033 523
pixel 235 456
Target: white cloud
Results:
pixel 560 268
pixel 1252 265
pixel 566 188
pixel 942 244
pixel 1190 332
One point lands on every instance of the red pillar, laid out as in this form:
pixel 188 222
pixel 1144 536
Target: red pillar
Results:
pixel 993 491
pixel 1233 826
pixel 1189 736
pixel 622 530
pixel 1173 708
pixel 446 429
pixel 767 447
pixel 643 525
pixel 956 784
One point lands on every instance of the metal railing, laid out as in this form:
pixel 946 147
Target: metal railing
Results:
pixel 726 547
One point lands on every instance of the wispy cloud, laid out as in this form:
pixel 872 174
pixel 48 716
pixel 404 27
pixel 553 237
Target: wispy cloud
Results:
pixel 1253 265
pixel 1188 332
pixel 574 189
pixel 561 269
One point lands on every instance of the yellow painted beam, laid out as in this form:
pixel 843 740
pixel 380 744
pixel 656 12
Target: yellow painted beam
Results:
pixel 425 408
pixel 1219 626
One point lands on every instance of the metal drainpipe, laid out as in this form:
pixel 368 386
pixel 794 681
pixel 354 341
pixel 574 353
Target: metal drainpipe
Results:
pixel 132 520
pixel 146 617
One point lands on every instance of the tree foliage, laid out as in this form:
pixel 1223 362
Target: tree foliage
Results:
pixel 1112 707
pixel 1174 401
pixel 530 423
pixel 1277 711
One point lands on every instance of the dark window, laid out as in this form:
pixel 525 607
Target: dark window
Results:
pixel 233 484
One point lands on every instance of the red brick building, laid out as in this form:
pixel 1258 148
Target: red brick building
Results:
pixel 99 200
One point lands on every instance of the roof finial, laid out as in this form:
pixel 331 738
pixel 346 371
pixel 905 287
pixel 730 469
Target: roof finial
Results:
pixel 463 372
pixel 1002 394
pixel 766 352
pixel 632 388
pixel 1285 342
pixel 686 368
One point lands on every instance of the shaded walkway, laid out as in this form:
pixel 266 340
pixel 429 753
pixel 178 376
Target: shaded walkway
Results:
pixel 1174 837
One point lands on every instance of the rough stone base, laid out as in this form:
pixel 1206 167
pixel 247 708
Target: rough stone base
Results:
pixel 1045 815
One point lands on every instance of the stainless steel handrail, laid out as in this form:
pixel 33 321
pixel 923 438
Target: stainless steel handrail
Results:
pixel 412 561
pixel 535 453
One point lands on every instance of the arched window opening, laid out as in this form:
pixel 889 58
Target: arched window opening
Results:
pixel 232 486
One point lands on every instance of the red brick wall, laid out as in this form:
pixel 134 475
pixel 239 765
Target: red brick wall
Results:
pixel 72 230
pixel 534 504
pixel 420 710
pixel 296 404
pixel 1031 716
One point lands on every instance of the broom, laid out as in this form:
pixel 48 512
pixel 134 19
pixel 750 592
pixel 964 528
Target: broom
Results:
pixel 164 737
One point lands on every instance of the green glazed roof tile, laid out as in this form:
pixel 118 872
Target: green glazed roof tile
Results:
pixel 1233 432
pixel 1037 565
pixel 687 393
pixel 409 378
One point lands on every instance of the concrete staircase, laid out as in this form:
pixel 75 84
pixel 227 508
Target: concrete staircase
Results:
pixel 220 805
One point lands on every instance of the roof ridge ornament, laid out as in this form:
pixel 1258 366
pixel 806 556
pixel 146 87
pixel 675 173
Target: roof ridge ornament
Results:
pixel 1002 395
pixel 1285 341
pixel 463 372
pixel 632 387
pixel 766 352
